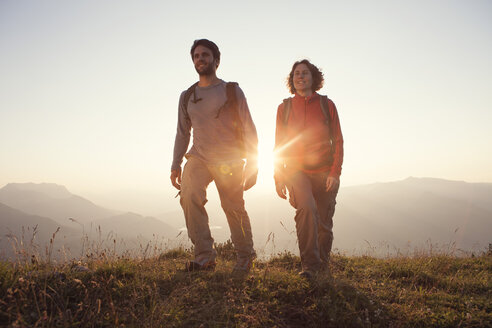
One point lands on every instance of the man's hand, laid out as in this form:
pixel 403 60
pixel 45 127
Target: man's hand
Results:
pixel 331 183
pixel 176 178
pixel 281 189
pixel 250 182
pixel 250 176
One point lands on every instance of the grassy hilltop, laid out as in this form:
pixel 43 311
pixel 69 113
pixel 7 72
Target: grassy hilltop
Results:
pixel 424 291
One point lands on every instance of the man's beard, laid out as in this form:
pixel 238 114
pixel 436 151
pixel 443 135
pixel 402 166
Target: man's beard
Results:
pixel 208 70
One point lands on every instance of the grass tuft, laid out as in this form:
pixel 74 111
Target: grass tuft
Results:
pixel 424 291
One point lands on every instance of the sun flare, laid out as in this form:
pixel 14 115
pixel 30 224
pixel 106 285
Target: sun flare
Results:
pixel 265 164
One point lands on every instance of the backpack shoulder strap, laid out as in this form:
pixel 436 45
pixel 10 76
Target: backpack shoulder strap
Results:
pixel 325 109
pixel 231 92
pixel 231 98
pixel 190 91
pixel 287 109
pixel 231 103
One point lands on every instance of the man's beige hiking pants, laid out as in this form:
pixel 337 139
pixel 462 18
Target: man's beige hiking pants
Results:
pixel 314 217
pixel 228 178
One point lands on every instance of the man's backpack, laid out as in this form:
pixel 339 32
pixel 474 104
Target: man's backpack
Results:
pixel 231 103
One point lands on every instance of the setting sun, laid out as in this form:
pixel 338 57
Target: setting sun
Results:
pixel 265 164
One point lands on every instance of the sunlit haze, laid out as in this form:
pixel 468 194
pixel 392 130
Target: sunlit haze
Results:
pixel 89 89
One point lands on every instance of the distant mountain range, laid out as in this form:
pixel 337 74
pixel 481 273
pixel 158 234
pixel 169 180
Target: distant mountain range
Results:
pixel 52 201
pixel 29 209
pixel 415 214
pixel 420 212
pixel 383 218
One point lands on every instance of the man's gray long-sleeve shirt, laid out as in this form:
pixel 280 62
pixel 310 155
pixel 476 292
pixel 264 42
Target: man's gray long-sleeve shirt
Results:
pixel 214 136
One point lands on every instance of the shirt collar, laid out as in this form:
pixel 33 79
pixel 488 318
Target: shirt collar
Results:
pixel 312 97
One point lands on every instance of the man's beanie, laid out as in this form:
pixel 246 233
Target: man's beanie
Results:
pixel 207 44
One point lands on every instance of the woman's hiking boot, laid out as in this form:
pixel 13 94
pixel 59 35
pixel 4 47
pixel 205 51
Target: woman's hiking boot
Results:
pixel 243 265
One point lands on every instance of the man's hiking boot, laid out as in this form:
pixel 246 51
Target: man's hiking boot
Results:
pixel 306 274
pixel 195 266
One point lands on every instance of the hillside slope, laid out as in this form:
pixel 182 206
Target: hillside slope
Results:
pixel 24 234
pixel 131 225
pixel 437 291
pixel 53 201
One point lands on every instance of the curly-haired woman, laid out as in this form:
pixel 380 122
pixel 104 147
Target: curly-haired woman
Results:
pixel 308 163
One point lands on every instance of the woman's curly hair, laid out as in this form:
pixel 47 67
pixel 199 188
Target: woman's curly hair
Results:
pixel 318 78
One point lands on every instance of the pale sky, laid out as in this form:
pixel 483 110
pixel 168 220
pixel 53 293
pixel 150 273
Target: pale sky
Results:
pixel 89 89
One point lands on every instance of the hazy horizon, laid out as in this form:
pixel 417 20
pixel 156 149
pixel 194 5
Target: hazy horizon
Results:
pixel 89 90
pixel 158 203
pixel 400 217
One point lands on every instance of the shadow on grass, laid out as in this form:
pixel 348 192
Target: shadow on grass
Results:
pixel 268 296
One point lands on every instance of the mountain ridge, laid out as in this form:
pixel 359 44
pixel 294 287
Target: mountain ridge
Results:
pixel 394 214
pixel 45 199
pixel 52 190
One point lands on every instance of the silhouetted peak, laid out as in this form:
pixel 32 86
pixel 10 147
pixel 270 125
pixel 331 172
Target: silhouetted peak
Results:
pixel 49 189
